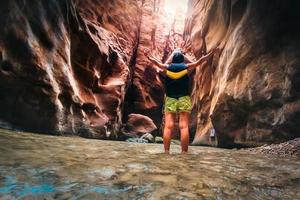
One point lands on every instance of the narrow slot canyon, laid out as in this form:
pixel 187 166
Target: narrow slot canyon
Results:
pixel 79 68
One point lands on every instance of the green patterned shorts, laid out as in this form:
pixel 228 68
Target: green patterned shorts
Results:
pixel 182 104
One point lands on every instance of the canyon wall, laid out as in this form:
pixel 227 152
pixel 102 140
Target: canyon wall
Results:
pixel 77 67
pixel 249 94
pixel 65 65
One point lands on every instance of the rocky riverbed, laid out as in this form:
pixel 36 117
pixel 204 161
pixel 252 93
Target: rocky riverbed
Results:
pixel 286 149
pixel 36 166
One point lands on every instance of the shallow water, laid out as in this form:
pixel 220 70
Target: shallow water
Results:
pixel 49 167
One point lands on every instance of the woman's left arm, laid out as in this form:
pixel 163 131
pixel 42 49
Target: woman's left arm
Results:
pixel 193 65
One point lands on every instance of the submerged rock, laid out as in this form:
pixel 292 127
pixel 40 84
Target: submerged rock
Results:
pixel 159 140
pixel 137 140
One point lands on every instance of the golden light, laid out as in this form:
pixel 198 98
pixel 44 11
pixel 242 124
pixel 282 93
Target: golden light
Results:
pixel 175 10
pixel 175 6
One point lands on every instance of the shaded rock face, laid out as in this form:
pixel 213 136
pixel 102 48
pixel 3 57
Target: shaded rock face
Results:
pixel 63 69
pixel 250 91
pixel 77 67
pixel 34 65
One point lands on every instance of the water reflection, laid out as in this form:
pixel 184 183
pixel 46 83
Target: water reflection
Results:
pixel 48 167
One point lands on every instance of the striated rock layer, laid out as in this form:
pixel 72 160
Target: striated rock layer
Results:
pixel 77 67
pixel 65 64
pixel 250 92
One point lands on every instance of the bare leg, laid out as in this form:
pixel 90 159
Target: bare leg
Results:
pixel 184 131
pixel 169 125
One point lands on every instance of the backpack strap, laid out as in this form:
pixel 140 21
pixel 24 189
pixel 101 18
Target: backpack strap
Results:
pixel 176 75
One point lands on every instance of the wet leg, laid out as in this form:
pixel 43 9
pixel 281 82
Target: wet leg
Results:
pixel 184 131
pixel 169 126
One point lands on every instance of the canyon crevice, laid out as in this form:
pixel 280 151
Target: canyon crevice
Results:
pixel 77 67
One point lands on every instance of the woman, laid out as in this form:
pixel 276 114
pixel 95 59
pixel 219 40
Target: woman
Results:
pixel 177 100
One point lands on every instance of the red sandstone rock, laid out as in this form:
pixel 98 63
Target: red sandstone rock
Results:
pixel 247 91
pixel 138 125
pixel 65 64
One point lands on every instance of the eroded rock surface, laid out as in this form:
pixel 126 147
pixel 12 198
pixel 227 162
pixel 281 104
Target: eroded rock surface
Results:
pixel 66 66
pixel 250 92
pixel 138 125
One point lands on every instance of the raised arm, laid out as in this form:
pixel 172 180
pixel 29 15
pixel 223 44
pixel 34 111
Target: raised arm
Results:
pixel 155 60
pixel 193 65
pixel 169 60
pixel 187 60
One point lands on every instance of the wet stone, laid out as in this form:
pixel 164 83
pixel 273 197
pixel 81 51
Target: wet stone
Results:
pixel 6 197
pixel 63 196
pixel 105 173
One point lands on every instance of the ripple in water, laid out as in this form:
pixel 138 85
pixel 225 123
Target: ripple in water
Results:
pixel 45 167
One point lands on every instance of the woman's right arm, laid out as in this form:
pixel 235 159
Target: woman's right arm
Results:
pixel 155 60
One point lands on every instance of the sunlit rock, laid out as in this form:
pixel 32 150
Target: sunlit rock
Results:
pixel 249 93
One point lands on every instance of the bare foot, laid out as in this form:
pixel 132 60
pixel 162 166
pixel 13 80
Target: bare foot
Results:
pixel 184 152
pixel 167 152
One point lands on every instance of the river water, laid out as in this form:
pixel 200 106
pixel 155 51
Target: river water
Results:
pixel 36 166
